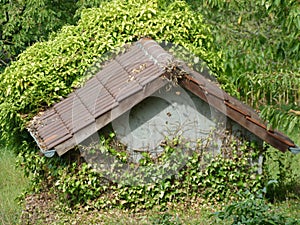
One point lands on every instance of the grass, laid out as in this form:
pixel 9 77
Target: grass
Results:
pixel 12 182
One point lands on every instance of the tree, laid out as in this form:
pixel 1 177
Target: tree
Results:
pixel 24 22
pixel 260 45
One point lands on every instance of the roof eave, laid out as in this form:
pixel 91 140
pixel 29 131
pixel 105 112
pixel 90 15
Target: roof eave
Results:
pixel 231 107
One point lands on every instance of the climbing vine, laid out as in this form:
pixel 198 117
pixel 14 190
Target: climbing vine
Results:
pixel 153 181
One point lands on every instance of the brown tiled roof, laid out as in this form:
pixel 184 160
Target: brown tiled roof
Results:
pixel 120 85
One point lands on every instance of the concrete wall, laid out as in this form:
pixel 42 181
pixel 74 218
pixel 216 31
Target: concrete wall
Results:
pixel 172 112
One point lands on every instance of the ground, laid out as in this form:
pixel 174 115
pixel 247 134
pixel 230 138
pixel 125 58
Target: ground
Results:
pixel 44 208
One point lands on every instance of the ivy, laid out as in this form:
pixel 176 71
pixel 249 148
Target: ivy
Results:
pixel 214 178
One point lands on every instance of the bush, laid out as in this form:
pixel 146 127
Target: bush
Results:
pixel 253 210
pixel 283 167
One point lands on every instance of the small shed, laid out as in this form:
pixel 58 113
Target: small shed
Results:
pixel 146 94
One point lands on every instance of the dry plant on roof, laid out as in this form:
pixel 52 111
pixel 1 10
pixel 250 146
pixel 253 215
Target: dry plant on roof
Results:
pixel 174 72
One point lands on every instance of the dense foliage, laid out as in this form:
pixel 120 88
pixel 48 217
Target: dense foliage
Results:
pixel 25 22
pixel 254 210
pixel 261 52
pixel 152 182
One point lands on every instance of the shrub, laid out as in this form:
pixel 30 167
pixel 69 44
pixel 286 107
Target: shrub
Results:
pixel 253 210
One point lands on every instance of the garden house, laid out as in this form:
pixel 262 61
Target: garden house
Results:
pixel 146 94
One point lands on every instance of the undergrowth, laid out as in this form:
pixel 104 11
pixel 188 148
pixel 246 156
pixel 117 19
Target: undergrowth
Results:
pixel 180 173
pixel 253 209
pixel 284 168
